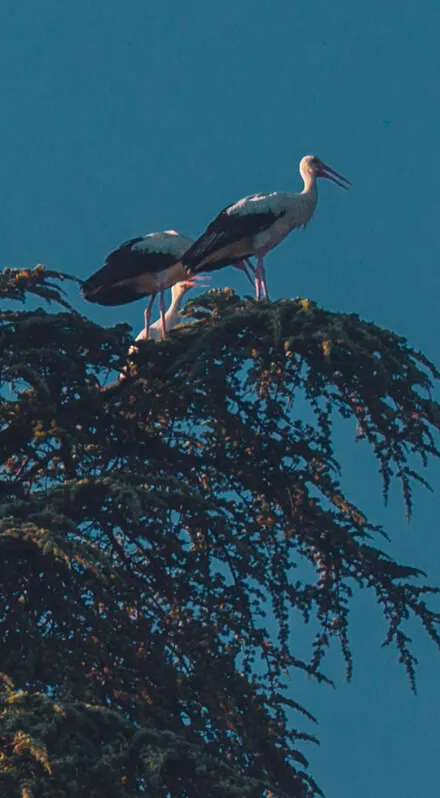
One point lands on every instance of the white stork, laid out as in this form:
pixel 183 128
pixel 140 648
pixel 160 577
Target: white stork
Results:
pixel 178 291
pixel 254 225
pixel 143 266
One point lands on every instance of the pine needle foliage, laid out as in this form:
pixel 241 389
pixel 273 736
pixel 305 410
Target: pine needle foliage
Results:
pixel 163 538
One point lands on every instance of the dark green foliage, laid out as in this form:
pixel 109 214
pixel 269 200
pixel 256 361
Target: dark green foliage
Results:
pixel 162 539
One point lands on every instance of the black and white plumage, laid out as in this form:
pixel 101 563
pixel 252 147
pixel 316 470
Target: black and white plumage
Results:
pixel 257 223
pixel 143 266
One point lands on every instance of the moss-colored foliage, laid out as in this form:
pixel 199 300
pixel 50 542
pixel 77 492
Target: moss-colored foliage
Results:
pixel 162 539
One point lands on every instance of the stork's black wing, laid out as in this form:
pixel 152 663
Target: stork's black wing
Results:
pixel 226 229
pixel 125 264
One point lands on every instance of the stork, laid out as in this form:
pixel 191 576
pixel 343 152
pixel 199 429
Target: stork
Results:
pixel 143 266
pixel 257 223
pixel 178 291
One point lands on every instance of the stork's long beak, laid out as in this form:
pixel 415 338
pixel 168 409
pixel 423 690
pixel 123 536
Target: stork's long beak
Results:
pixel 335 177
pixel 197 281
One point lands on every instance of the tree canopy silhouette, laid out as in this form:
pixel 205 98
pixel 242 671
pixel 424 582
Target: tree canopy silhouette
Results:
pixel 162 539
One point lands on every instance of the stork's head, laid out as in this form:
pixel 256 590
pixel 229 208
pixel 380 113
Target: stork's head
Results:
pixel 312 166
pixel 179 289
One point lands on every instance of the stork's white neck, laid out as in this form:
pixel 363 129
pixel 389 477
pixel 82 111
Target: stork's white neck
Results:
pixel 310 184
pixel 172 313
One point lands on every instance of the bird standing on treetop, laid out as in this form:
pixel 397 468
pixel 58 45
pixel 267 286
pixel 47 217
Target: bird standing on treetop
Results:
pixel 256 224
pixel 178 291
pixel 143 266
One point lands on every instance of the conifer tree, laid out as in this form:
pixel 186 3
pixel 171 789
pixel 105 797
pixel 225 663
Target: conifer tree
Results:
pixel 164 538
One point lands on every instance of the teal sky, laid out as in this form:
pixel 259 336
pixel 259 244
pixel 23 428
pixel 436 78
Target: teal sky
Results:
pixel 119 119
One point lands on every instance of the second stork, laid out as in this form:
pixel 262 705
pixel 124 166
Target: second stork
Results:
pixel 141 267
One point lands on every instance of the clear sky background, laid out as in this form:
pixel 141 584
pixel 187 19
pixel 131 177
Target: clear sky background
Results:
pixel 119 119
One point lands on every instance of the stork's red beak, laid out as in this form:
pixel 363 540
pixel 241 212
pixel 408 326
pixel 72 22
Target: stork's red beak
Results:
pixel 335 177
pixel 197 280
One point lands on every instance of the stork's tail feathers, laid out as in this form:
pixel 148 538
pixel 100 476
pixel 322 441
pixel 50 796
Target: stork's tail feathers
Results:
pixel 89 289
pixel 92 287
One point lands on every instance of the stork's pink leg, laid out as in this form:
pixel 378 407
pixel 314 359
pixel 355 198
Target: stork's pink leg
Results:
pixel 243 266
pixel 162 312
pixel 147 315
pixel 257 287
pixel 260 278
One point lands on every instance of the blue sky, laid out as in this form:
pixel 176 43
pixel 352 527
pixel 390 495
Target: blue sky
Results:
pixel 119 119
